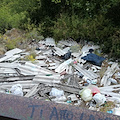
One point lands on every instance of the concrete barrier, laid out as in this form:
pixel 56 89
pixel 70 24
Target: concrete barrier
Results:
pixel 22 108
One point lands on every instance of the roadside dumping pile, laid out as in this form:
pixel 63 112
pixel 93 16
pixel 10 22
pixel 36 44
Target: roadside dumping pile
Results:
pixel 67 72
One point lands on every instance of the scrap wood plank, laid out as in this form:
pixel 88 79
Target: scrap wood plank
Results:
pixel 89 74
pixel 109 73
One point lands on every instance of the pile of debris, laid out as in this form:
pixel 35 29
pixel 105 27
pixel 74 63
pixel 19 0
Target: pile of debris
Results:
pixel 67 72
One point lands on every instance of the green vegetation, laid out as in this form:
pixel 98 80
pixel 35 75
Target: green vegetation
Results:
pixel 97 21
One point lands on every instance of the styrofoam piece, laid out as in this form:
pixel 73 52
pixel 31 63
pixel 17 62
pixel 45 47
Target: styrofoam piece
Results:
pixel 50 42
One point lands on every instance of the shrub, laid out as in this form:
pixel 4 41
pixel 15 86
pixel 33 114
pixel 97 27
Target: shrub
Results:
pixel 12 43
pixel 66 27
pixel 115 46
pixel 95 29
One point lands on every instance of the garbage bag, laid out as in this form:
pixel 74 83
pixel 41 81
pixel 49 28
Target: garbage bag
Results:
pixel 86 94
pixel 94 59
pixel 94 89
pixel 16 90
pixel 57 93
pixel 99 99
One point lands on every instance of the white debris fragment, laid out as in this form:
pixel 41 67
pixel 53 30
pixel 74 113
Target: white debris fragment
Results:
pixel 99 99
pixel 16 90
pixel 57 93
pixel 63 66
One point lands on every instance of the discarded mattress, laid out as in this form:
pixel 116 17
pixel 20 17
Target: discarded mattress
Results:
pixel 94 59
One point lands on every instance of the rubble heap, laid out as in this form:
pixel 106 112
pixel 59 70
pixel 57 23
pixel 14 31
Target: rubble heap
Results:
pixel 67 72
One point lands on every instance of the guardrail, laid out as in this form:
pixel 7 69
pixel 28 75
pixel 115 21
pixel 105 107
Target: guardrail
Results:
pixel 22 108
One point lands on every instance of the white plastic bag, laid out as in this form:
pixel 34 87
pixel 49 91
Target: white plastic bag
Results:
pixel 16 90
pixel 86 94
pixel 99 99
pixel 57 93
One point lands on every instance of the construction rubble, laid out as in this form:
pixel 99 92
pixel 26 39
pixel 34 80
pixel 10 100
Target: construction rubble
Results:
pixel 66 72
